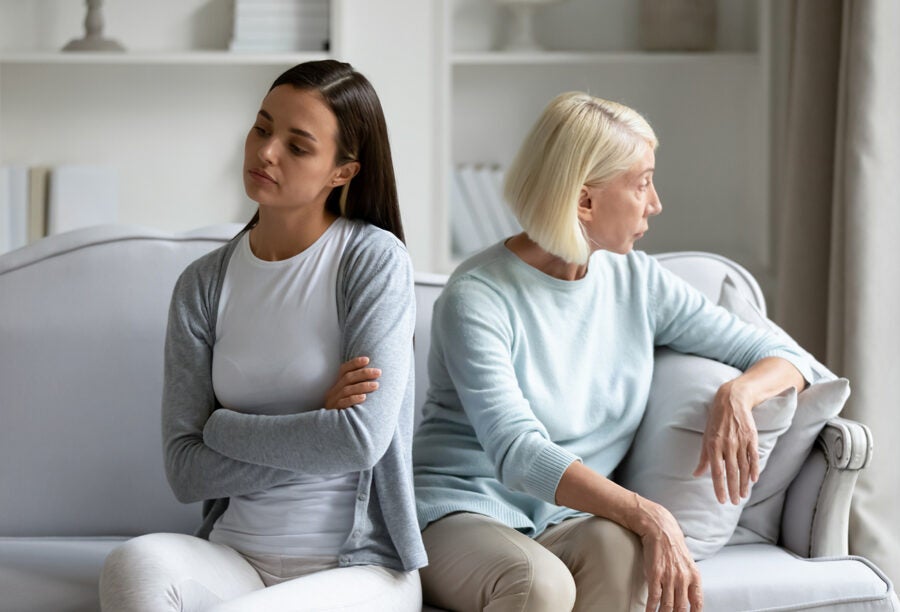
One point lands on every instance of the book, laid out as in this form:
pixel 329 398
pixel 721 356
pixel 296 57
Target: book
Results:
pixel 14 207
pixel 491 177
pixel 481 204
pixel 37 202
pixel 79 196
pixel 464 232
pixel 273 25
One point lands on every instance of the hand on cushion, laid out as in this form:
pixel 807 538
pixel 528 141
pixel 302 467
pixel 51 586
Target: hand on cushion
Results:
pixel 730 445
pixel 665 449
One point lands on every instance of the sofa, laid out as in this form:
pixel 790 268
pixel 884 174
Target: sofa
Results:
pixel 82 324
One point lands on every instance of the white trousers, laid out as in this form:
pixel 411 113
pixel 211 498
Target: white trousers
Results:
pixel 164 572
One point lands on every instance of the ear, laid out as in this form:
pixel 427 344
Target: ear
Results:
pixel 585 205
pixel 344 173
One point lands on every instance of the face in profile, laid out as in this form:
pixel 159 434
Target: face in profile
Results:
pixel 617 213
pixel 289 154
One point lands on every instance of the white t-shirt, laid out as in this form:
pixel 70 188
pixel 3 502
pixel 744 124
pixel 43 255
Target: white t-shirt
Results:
pixel 277 351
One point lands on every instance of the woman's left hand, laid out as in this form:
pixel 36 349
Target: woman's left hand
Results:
pixel 354 382
pixel 730 445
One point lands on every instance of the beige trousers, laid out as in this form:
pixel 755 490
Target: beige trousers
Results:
pixel 478 563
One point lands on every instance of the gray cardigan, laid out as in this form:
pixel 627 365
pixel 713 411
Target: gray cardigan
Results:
pixel 212 453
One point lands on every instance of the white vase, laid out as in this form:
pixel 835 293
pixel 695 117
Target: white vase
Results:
pixel 520 33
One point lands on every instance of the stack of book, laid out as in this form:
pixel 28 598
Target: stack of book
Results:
pixel 479 217
pixel 273 26
pixel 40 200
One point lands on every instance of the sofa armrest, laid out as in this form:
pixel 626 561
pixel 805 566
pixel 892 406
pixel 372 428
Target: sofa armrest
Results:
pixel 817 506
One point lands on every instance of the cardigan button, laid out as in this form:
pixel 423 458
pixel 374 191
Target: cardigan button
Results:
pixel 344 559
pixel 362 497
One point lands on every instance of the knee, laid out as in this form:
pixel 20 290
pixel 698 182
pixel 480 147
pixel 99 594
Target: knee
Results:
pixel 552 588
pixel 622 546
pixel 543 584
pixel 612 555
pixel 130 568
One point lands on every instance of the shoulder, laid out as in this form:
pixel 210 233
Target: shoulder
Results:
pixel 490 270
pixel 371 248
pixel 484 283
pixel 203 273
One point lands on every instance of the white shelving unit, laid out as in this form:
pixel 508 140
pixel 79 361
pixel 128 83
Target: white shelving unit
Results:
pixel 171 113
pixel 710 111
pixel 148 58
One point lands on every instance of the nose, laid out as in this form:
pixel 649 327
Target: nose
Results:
pixel 655 205
pixel 266 151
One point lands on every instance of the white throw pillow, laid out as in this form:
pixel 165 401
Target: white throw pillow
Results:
pixel 821 401
pixel 666 448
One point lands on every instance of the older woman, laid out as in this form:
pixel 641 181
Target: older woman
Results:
pixel 540 366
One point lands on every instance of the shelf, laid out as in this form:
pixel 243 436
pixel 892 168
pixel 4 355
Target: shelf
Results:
pixel 151 58
pixel 546 58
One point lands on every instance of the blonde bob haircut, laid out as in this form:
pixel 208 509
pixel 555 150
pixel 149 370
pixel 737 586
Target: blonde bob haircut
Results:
pixel 578 140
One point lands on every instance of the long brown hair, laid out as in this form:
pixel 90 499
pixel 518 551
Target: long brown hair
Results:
pixel 362 136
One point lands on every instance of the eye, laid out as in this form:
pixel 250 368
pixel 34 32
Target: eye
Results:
pixel 260 131
pixel 295 150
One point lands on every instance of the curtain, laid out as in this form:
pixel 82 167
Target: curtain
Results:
pixel 837 200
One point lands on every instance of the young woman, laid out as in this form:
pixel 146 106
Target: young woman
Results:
pixel 274 342
pixel 540 366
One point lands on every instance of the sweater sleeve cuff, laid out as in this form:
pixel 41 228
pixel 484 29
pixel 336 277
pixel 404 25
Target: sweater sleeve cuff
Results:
pixel 547 470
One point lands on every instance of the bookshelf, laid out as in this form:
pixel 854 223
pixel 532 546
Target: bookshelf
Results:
pixel 171 113
pixel 710 111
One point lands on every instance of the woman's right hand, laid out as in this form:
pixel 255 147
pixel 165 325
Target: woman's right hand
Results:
pixel 354 382
pixel 672 576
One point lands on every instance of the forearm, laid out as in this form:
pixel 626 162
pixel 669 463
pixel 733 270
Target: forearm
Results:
pixel 315 443
pixel 196 473
pixel 581 488
pixel 764 379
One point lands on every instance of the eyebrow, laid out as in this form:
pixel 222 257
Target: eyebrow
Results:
pixel 293 130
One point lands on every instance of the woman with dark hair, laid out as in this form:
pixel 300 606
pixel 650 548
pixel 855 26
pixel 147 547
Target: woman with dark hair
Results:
pixel 274 342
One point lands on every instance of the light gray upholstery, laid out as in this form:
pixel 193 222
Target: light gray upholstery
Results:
pixel 82 322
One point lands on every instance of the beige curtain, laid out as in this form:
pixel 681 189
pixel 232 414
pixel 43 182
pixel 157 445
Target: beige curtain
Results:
pixel 838 210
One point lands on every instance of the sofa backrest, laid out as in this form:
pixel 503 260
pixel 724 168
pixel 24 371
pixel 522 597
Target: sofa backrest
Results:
pixel 82 327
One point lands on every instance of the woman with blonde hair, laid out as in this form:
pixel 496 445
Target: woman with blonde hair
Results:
pixel 540 366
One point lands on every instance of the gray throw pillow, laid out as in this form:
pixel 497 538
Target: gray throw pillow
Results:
pixel 666 448
pixel 821 401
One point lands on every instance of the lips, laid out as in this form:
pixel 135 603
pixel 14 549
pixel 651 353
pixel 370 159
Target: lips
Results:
pixel 262 175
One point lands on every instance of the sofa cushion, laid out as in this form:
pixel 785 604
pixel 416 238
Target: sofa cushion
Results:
pixel 666 449
pixel 60 574
pixel 773 579
pixel 820 402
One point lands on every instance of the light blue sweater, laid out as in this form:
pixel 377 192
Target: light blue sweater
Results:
pixel 530 373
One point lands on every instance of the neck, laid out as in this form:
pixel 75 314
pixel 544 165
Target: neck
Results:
pixel 281 234
pixel 531 253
